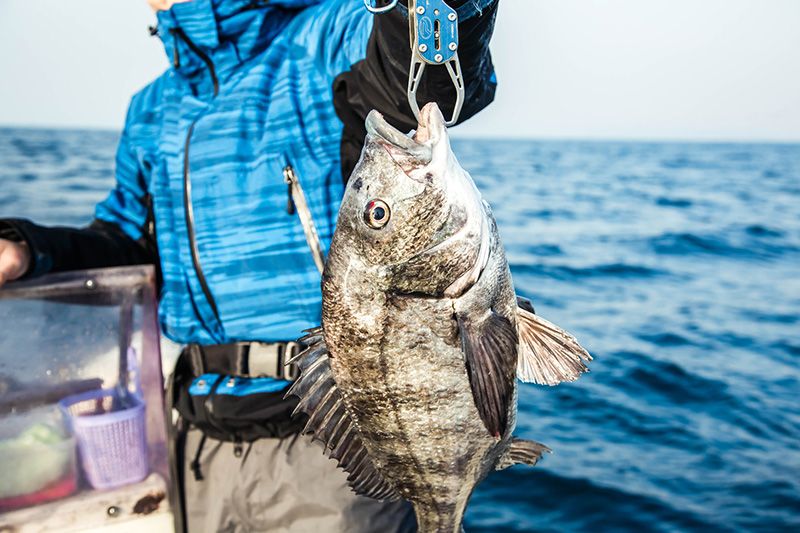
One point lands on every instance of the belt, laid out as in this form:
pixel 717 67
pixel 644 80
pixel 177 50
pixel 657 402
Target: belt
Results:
pixel 246 359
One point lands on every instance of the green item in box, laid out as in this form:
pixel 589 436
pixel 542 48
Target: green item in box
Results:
pixel 37 457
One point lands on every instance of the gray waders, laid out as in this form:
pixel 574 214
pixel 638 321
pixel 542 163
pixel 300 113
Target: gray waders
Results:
pixel 282 485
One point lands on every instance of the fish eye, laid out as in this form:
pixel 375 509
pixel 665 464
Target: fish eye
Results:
pixel 377 214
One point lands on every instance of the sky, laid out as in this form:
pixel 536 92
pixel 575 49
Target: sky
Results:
pixel 586 69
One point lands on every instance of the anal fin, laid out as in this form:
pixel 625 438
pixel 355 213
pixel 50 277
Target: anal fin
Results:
pixel 522 452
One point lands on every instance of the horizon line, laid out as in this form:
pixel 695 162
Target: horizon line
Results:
pixel 470 136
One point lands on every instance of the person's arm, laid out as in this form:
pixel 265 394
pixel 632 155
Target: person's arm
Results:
pixel 379 81
pixel 59 248
pixel 118 236
pixel 15 257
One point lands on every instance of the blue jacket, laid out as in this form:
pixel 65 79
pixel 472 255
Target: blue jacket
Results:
pixel 254 87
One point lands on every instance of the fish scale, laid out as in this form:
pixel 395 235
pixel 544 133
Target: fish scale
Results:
pixel 390 391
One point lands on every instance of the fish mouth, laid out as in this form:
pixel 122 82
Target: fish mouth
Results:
pixel 403 147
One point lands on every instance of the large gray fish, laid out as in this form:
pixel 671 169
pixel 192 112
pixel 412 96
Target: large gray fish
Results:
pixel 411 380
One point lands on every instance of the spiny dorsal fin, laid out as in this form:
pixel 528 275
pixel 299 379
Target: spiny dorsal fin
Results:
pixel 548 355
pixel 331 423
pixel 522 452
pixel 490 347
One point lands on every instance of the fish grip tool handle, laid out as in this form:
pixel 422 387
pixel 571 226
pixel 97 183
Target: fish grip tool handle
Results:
pixel 433 33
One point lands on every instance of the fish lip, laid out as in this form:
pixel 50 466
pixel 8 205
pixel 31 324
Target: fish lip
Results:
pixel 391 138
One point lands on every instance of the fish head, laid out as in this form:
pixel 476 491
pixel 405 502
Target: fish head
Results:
pixel 410 213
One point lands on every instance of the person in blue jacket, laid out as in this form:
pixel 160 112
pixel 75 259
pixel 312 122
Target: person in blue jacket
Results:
pixel 256 89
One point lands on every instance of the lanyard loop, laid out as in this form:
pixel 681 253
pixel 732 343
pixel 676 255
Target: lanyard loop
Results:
pixel 375 10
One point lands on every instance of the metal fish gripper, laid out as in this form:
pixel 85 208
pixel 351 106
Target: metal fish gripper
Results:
pixel 433 34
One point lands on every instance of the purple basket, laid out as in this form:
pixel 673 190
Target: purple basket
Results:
pixel 111 437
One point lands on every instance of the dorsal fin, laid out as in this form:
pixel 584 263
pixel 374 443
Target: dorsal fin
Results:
pixel 548 355
pixel 331 423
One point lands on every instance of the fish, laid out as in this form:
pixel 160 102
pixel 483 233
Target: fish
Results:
pixel 411 380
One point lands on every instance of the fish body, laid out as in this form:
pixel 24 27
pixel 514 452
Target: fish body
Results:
pixel 411 381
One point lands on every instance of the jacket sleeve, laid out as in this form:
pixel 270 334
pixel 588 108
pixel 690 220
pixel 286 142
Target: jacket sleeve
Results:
pixel 379 80
pixel 119 235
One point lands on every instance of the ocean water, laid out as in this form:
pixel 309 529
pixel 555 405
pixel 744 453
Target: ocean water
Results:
pixel 676 265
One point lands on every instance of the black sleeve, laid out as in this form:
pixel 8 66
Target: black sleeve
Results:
pixel 103 243
pixel 380 80
pixel 56 249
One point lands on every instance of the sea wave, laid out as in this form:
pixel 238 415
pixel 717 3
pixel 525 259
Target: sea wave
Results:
pixel 760 246
pixel 567 272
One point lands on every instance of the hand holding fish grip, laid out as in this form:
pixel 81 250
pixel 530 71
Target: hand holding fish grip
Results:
pixel 433 34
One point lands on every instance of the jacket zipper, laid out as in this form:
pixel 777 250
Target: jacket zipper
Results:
pixel 187 182
pixel 177 32
pixel 188 211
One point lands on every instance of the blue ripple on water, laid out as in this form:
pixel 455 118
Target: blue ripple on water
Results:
pixel 683 244
pixel 674 202
pixel 566 272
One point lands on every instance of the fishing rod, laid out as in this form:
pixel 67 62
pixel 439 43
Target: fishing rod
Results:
pixel 433 34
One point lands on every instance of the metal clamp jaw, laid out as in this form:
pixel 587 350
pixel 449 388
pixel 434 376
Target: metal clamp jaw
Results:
pixel 433 27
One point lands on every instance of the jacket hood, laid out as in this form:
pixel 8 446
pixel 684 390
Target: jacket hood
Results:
pixel 227 32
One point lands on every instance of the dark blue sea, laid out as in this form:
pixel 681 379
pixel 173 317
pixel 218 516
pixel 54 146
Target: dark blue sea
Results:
pixel 676 265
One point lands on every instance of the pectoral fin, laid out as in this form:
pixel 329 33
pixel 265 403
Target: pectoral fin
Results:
pixel 548 355
pixel 330 421
pixel 490 348
pixel 522 452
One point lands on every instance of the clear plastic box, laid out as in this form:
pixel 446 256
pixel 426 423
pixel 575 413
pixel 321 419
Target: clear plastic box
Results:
pixel 89 341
